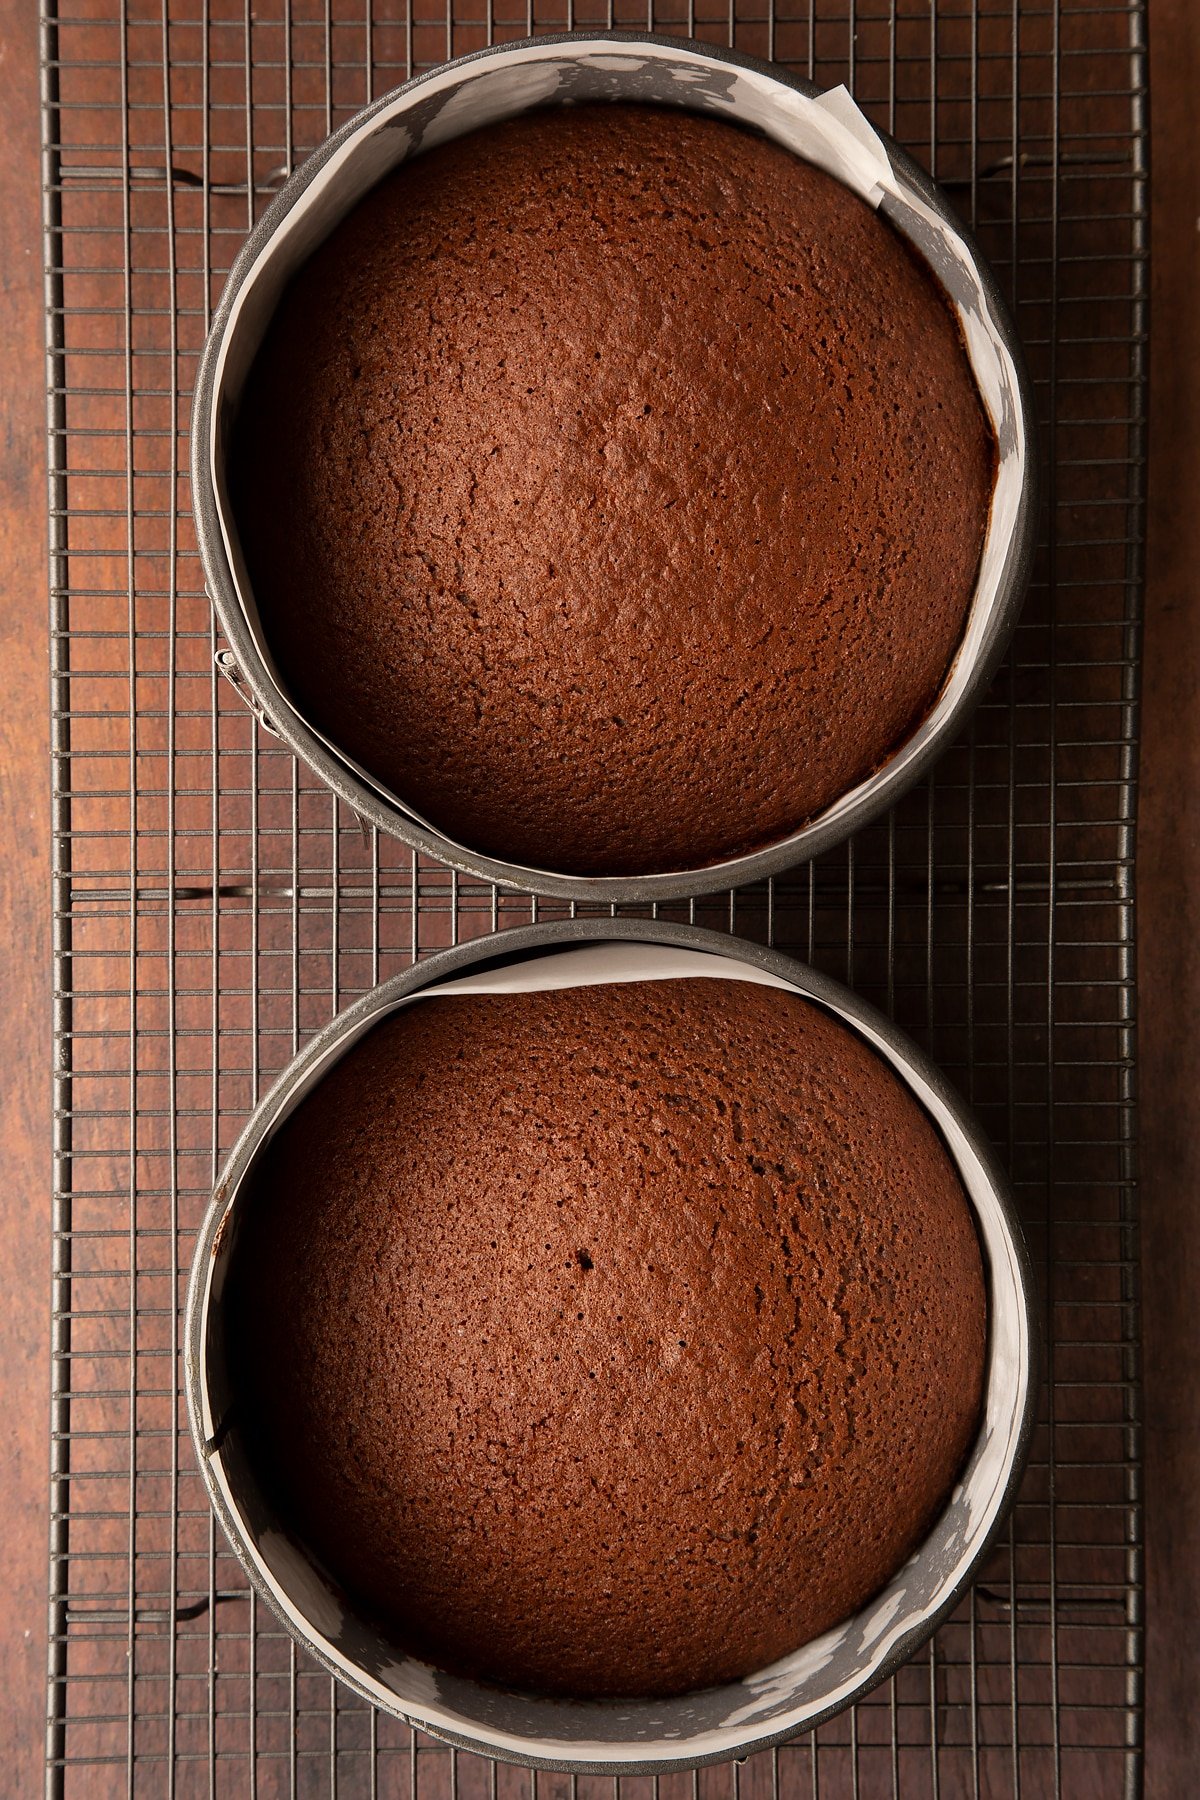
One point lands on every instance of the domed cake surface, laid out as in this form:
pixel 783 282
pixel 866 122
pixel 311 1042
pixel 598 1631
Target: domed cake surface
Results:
pixel 609 1341
pixel 613 486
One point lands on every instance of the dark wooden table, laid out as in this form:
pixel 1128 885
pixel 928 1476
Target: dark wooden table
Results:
pixel 1168 923
pixel 1168 920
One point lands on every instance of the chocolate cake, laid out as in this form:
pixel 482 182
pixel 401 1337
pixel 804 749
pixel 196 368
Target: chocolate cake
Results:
pixel 609 1341
pixel 612 486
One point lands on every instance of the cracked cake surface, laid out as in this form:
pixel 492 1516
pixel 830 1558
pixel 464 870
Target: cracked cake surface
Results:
pixel 615 1340
pixel 612 486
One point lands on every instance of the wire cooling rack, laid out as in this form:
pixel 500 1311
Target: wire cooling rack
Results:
pixel 214 906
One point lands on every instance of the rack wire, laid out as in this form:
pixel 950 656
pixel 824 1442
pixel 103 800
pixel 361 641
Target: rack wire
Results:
pixel 214 905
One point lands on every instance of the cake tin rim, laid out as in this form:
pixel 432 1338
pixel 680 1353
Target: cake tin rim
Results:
pixel 520 943
pixel 878 791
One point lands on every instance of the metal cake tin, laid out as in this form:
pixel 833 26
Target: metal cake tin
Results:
pixel 498 83
pixel 625 1736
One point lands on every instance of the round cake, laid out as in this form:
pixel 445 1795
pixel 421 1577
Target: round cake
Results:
pixel 609 1341
pixel 612 486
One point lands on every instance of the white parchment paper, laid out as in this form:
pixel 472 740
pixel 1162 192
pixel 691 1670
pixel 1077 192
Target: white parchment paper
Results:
pixel 819 1674
pixel 828 130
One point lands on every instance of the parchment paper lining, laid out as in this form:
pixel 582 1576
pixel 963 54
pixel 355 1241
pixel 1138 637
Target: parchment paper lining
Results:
pixel 829 131
pixel 801 1686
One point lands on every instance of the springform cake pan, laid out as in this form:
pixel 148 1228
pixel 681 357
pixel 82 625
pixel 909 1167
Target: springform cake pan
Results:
pixel 496 84
pixel 619 1736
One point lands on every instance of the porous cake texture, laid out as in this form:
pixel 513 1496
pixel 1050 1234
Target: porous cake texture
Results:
pixel 613 486
pixel 609 1341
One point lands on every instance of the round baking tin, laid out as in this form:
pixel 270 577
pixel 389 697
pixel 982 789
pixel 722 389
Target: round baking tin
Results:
pixel 498 83
pixel 621 1736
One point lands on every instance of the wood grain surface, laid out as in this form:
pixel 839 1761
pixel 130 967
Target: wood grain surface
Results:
pixel 1168 897
pixel 24 923
pixel 1168 918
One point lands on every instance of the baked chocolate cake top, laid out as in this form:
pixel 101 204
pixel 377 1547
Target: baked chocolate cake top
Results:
pixel 609 1341
pixel 613 486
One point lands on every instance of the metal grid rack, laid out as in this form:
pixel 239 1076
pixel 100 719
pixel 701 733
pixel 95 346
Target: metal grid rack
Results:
pixel 213 906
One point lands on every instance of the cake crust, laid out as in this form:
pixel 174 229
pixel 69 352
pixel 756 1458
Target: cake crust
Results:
pixel 610 1341
pixel 613 485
